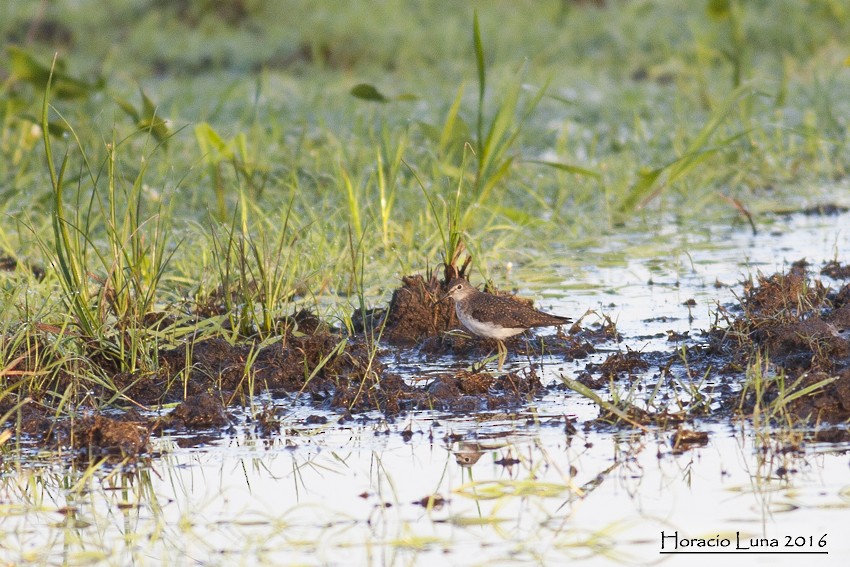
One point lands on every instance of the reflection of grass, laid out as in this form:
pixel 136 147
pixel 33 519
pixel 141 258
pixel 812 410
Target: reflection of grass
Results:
pixel 266 502
pixel 492 489
pixel 79 515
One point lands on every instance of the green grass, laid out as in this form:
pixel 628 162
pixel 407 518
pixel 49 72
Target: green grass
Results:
pixel 254 158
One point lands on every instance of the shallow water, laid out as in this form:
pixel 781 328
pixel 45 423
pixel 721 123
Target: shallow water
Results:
pixel 512 488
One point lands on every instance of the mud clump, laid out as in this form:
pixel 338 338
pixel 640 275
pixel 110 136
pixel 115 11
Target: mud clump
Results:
pixel 200 412
pixel 832 435
pixel 830 402
pixel 801 327
pixel 35 421
pixel 685 439
pixel 628 362
pixel 204 364
pixel 463 391
pixel 476 391
pixel 617 364
pixel 387 393
pixel 417 311
pixel 631 414
pixel 331 370
pixel 126 436
pixel 836 271
pixel 313 364
pixel 101 435
pixel 780 298
pixel 812 344
pixel 569 347
pixel 788 342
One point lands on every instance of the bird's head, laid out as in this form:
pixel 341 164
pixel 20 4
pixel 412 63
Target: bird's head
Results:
pixel 459 288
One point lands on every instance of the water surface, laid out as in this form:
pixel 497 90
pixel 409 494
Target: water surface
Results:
pixel 506 488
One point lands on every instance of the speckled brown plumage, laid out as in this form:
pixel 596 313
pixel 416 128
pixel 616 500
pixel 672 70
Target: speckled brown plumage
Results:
pixel 494 316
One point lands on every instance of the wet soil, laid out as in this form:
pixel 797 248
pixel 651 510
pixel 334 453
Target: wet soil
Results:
pixel 89 436
pixel 799 325
pixel 418 311
pixel 792 326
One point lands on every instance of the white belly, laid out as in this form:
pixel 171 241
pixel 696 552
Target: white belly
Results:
pixel 486 329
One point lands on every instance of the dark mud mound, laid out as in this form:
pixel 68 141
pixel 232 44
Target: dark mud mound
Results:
pixel 417 311
pixel 781 298
pixel 618 364
pixel 186 371
pixel 91 436
pixel 328 369
pixel 685 439
pixel 101 435
pixel 387 393
pixel 469 391
pixel 830 401
pixel 201 411
pixel 810 345
pixel 506 390
pixel 199 366
pixel 313 364
pixel 794 322
pixel 465 391
pixel 316 364
pixel 786 342
pixel 835 270
pixel 801 327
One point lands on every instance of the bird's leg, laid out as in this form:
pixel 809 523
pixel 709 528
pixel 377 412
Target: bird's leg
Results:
pixel 503 353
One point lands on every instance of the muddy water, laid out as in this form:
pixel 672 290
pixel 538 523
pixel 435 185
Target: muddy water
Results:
pixel 539 484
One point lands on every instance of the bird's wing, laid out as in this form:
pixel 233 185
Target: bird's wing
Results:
pixel 512 318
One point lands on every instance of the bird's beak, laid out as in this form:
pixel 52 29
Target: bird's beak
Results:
pixel 444 297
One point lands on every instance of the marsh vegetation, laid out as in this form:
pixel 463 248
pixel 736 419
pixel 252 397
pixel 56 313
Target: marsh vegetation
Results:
pixel 227 231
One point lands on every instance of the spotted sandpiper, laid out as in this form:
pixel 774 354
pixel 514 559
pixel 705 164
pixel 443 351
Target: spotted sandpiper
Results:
pixel 494 316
